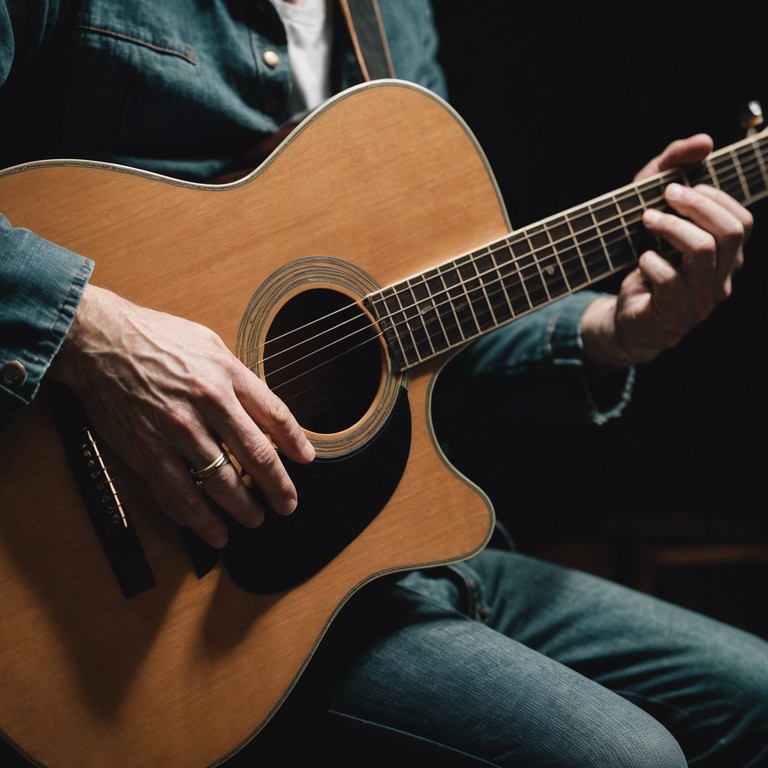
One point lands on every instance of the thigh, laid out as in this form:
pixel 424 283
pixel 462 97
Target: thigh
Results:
pixel 704 681
pixel 407 676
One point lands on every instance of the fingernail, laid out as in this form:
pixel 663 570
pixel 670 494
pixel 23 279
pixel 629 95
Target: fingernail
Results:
pixel 256 518
pixel 309 451
pixel 674 191
pixel 219 541
pixel 289 507
pixel 651 216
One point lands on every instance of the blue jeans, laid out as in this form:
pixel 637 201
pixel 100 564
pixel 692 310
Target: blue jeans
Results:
pixel 509 661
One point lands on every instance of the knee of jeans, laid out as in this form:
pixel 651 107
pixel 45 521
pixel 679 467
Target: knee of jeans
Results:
pixel 640 743
pixel 743 696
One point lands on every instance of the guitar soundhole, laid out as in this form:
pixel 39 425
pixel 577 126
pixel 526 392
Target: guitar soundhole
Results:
pixel 322 356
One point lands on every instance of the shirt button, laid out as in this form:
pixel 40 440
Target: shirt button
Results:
pixel 13 374
pixel 270 106
pixel 270 58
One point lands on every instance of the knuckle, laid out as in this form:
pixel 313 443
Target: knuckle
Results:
pixel 724 292
pixel 260 451
pixel 226 478
pixel 205 392
pixel 748 222
pixel 187 505
pixel 704 243
pixel 279 413
pixel 178 420
pixel 734 234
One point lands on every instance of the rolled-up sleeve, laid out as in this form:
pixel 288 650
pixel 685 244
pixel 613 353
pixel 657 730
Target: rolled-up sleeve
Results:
pixel 533 370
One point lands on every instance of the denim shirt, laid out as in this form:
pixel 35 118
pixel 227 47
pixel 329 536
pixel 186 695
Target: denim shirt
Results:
pixel 180 88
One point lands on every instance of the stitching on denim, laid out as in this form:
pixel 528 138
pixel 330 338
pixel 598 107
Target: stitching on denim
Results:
pixel 190 57
pixel 409 735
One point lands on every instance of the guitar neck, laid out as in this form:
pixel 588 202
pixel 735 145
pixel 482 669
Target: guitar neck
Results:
pixel 440 309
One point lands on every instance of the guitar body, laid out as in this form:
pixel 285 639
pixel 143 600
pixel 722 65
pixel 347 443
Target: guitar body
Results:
pixel 381 184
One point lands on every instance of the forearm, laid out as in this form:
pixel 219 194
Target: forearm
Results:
pixel 548 369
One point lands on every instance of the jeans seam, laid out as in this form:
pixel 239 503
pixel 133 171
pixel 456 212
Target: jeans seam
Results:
pixel 413 736
pixel 638 699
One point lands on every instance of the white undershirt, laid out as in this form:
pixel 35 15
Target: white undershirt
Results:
pixel 309 31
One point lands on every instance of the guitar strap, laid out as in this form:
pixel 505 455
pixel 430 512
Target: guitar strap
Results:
pixel 369 38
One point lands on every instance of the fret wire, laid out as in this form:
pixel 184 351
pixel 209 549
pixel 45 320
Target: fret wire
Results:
pixel 626 230
pixel 444 317
pixel 623 220
pixel 761 165
pixel 430 313
pixel 394 325
pixel 713 180
pixel 422 332
pixel 476 294
pixel 501 280
pixel 458 264
pixel 450 303
pixel 571 238
pixel 480 259
pixel 524 284
pixel 747 171
pixel 517 273
pixel 534 282
pixel 740 176
pixel 759 182
pixel 596 227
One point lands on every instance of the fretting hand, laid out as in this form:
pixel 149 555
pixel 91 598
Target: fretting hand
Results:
pixel 659 303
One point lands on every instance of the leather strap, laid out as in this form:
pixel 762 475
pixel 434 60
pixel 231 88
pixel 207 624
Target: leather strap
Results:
pixel 369 38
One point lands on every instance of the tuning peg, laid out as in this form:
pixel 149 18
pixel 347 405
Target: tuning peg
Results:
pixel 752 116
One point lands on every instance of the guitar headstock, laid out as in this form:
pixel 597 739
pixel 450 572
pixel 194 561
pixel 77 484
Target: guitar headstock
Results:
pixel 752 117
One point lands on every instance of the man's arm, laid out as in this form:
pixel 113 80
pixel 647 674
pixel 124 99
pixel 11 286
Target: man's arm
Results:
pixel 572 361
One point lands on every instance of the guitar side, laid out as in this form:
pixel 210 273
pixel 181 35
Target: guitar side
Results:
pixel 386 178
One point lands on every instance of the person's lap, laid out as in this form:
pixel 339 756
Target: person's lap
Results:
pixel 511 661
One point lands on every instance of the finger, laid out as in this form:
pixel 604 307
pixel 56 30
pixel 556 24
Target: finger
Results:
pixel 661 279
pixel 734 207
pixel 681 152
pixel 669 310
pixel 698 247
pixel 721 216
pixel 226 488
pixel 272 415
pixel 258 456
pixel 745 217
pixel 178 496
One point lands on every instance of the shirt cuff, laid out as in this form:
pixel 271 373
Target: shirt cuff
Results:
pixel 41 284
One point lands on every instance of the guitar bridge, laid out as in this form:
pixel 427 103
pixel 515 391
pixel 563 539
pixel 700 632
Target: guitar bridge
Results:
pixel 97 489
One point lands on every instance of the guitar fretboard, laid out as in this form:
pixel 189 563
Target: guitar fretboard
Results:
pixel 448 305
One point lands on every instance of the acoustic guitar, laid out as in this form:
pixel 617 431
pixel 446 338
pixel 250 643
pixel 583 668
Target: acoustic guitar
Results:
pixel 369 246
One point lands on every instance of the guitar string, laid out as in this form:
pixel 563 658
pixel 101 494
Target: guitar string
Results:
pixel 611 199
pixel 748 177
pixel 554 244
pixel 457 325
pixel 491 308
pixel 473 257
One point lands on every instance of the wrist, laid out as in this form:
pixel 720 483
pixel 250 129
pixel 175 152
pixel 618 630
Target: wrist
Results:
pixel 599 335
pixel 68 365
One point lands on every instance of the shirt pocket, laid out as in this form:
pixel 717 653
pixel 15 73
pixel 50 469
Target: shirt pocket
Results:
pixel 126 59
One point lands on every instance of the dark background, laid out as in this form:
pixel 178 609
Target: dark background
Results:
pixel 569 101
